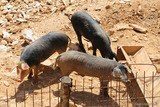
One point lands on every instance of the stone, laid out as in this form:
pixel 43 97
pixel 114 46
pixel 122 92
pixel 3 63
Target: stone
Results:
pixel 124 1
pixel 97 9
pixel 153 9
pixel 9 17
pixel 6 34
pixel 3 21
pixel 49 2
pixel 45 10
pixel 138 28
pixel 3 42
pixel 114 39
pixel 122 26
pixel 1 33
pixel 145 38
pixel 6 83
pixel 14 29
pixel 8 7
pixel 4 48
pixel 3 2
pixel 122 35
pixel 111 31
pixel 15 42
pixel 21 20
pixel 53 9
pixel 65 2
pixel 108 7
pixel 28 34
pixel 135 38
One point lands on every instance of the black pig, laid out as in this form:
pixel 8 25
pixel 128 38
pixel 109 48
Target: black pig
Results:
pixel 38 51
pixel 85 25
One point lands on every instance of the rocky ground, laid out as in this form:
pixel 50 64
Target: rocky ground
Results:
pixel 129 22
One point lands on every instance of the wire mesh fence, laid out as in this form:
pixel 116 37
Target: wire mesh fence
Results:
pixel 87 94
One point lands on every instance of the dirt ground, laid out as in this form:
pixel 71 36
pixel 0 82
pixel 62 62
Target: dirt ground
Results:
pixel 113 15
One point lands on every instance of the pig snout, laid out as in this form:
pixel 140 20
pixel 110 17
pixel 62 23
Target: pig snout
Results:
pixel 125 80
pixel 19 80
pixel 121 72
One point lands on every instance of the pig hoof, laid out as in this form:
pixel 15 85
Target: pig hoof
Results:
pixel 29 78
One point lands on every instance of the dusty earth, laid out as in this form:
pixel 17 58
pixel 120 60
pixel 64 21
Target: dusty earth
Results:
pixel 113 15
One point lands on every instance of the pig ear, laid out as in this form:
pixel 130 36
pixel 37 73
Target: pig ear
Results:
pixel 24 66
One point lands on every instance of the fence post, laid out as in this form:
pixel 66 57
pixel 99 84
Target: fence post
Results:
pixel 66 83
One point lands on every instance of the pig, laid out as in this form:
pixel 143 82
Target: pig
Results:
pixel 39 51
pixel 90 65
pixel 85 25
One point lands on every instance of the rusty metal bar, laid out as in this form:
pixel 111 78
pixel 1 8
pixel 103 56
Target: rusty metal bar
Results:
pixel 152 88
pixel 58 95
pixel 119 93
pixel 103 92
pixel 116 92
pixel 127 98
pixel 49 95
pixel 74 92
pixel 144 84
pixel 111 91
pixel 16 97
pixel 91 91
pixel 41 98
pixel 24 98
pixel 33 98
pixel 98 102
pixel 7 97
pixel 83 92
pixel 136 90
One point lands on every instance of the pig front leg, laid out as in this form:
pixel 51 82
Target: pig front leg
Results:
pixel 80 41
pixel 30 74
pixel 35 75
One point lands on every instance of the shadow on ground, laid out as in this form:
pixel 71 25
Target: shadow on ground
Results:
pixel 87 99
pixel 47 76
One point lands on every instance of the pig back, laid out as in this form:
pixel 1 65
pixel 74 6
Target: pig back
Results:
pixel 85 64
pixel 43 48
pixel 84 23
